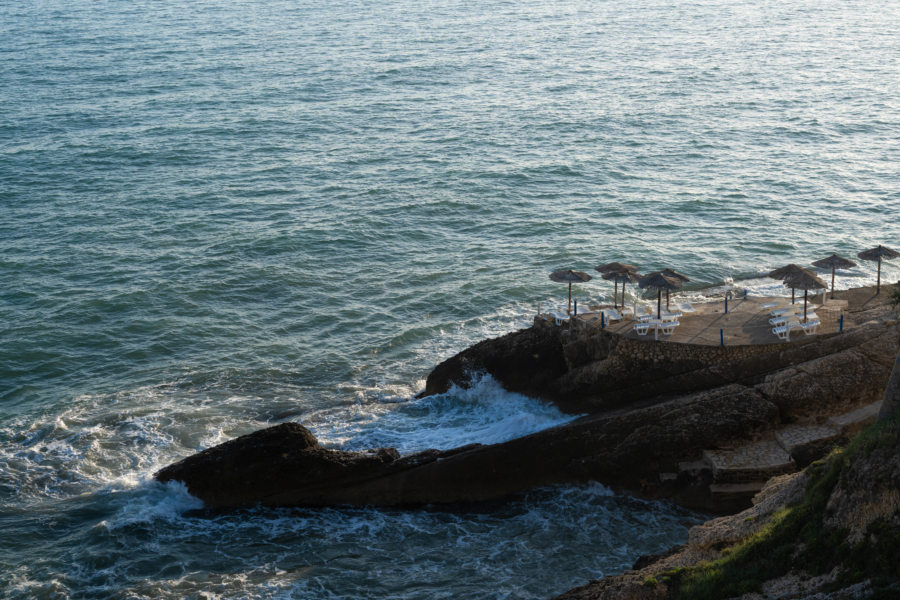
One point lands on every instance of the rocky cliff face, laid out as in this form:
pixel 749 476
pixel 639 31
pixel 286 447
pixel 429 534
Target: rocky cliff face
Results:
pixel 587 370
pixel 831 531
pixel 852 552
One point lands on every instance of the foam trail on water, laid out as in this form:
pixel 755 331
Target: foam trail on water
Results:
pixel 484 413
pixel 153 501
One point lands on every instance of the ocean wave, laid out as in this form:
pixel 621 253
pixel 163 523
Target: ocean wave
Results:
pixel 484 413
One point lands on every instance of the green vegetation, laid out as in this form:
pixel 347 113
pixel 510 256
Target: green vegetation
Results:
pixel 795 538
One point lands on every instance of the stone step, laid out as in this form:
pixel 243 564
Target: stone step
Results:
pixel 740 489
pixel 694 467
pixel 749 463
pixel 799 435
pixel 855 419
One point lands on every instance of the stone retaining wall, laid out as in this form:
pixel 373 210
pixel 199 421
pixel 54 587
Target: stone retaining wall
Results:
pixel 662 351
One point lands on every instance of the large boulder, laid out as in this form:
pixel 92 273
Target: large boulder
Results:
pixel 525 361
pixel 269 463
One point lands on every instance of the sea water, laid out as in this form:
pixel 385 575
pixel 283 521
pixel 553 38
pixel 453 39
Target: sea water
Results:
pixel 218 216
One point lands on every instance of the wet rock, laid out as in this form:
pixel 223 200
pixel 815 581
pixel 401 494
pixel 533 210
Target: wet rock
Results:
pixel 523 361
pixel 263 466
pixel 285 466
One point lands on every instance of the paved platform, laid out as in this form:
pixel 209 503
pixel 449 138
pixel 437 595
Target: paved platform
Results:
pixel 747 322
pixel 751 462
pixel 856 418
pixel 798 435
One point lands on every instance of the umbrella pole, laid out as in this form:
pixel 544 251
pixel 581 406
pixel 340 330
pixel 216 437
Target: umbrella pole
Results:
pixel 659 304
pixel 805 292
pixel 832 282
pixel 623 293
pixel 792 295
pixel 667 300
pixel 616 293
pixel 569 309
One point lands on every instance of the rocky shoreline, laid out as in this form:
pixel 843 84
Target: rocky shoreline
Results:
pixel 831 531
pixel 704 426
pixel 659 420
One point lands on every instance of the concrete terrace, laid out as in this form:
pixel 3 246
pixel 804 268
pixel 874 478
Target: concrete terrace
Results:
pixel 747 321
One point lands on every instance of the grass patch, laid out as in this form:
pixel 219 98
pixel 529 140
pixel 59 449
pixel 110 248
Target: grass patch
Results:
pixel 794 537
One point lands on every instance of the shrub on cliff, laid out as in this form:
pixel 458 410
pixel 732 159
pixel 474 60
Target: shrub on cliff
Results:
pixel 848 519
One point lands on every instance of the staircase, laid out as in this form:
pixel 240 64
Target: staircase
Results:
pixel 742 471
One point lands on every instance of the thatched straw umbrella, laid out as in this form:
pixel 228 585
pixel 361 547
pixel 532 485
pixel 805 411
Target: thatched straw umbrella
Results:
pixel 878 253
pixel 616 267
pixel 624 277
pixel 805 280
pixel 789 271
pixel 676 275
pixel 660 282
pixel 569 276
pixel 835 262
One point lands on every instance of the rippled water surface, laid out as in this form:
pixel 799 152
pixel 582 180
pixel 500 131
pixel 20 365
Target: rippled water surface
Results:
pixel 219 216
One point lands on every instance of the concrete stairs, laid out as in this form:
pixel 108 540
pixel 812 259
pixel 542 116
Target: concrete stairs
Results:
pixel 743 471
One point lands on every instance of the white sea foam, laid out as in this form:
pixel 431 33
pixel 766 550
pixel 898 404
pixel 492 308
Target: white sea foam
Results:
pixel 483 412
pixel 154 501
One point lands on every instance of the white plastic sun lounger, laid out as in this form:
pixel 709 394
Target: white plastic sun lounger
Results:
pixel 668 327
pixel 784 331
pixel 642 313
pixel 558 316
pixel 642 328
pixel 684 307
pixel 786 310
pixel 611 314
pixel 810 327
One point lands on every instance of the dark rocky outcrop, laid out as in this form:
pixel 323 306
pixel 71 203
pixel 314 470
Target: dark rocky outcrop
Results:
pixel 525 361
pixel 285 466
